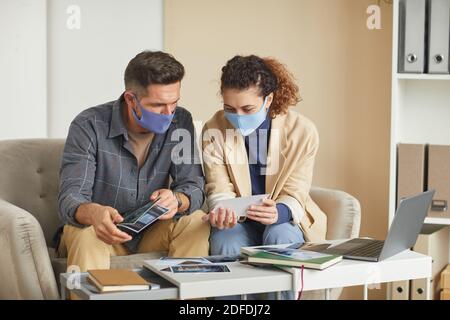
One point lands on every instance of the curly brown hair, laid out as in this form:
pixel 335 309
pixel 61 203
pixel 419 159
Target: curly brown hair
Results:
pixel 268 74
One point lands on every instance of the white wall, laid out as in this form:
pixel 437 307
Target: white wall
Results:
pixel 23 69
pixel 86 65
pixel 49 72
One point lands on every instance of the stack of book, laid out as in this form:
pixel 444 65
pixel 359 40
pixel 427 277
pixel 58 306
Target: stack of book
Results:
pixel 117 280
pixel 291 257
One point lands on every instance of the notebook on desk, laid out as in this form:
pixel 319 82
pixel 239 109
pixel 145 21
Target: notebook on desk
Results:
pixel 112 280
pixel 288 256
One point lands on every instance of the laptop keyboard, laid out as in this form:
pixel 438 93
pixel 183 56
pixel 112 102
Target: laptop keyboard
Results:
pixel 372 249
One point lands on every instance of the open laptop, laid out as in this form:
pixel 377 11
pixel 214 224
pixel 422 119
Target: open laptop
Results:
pixel 402 235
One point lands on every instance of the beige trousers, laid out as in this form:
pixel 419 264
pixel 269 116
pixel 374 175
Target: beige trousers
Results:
pixel 187 237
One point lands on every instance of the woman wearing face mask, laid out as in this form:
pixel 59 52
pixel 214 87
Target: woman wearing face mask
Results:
pixel 270 151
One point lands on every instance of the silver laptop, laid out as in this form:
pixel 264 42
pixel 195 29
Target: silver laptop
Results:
pixel 402 235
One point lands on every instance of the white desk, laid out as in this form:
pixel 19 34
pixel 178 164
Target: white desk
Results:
pixel 244 279
pixel 407 265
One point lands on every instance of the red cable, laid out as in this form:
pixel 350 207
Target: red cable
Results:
pixel 301 284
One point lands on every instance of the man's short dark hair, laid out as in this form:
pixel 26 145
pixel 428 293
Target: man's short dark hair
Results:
pixel 152 67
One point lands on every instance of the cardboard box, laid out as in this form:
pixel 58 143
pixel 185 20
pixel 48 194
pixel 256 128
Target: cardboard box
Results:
pixel 445 294
pixel 400 290
pixel 411 169
pixel 439 179
pixel 419 288
pixel 445 278
pixel 433 241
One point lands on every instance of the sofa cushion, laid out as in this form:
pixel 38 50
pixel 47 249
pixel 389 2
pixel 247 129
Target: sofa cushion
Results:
pixel 29 178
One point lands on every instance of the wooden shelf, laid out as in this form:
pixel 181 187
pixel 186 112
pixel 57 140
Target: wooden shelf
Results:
pixel 441 221
pixel 413 76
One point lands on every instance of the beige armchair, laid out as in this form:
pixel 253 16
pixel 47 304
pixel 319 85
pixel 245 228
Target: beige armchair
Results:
pixel 29 218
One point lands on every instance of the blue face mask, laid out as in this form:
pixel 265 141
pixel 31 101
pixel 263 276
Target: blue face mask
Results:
pixel 154 122
pixel 248 123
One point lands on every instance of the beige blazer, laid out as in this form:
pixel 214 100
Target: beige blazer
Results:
pixel 290 161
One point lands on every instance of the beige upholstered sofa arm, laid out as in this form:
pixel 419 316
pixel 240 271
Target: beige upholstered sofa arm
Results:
pixel 343 212
pixel 25 270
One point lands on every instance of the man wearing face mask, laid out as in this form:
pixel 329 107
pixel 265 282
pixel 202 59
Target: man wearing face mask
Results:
pixel 120 155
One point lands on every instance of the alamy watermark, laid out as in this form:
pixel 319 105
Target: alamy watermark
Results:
pixel 73 21
pixel 228 148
